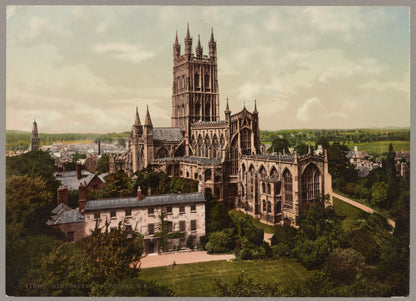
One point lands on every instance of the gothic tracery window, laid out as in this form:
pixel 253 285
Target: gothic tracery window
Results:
pixel 288 183
pixel 245 137
pixel 310 183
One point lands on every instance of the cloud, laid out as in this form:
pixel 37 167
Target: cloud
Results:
pixel 123 51
pixel 310 109
pixel 38 28
pixel 364 67
pixel 313 109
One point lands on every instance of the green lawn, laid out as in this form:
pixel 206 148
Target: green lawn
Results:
pixel 197 279
pixel 349 213
pixel 266 228
pixel 380 146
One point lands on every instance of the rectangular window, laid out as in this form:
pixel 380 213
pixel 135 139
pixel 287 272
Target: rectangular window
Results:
pixel 182 226
pixel 71 236
pixel 193 225
pixel 169 209
pixel 151 211
pixel 129 229
pixel 113 214
pixel 151 229
pixel 96 215
pixel 128 212
pixel 169 226
pixel 181 209
pixel 193 208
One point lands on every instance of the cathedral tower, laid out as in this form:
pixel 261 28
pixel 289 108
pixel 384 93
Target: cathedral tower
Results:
pixel 34 140
pixel 195 94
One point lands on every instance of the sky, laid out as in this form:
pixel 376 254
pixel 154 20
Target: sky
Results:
pixel 86 68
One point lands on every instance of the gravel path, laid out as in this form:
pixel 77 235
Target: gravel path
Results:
pixel 360 206
pixel 155 260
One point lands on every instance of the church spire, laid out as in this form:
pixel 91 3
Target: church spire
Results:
pixel 148 121
pixel 199 49
pixel 137 121
pixel 188 36
pixel 188 43
pixel 227 108
pixel 212 46
pixel 34 140
pixel 176 39
pixel 255 107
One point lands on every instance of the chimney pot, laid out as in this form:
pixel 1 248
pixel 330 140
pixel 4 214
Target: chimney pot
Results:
pixel 139 194
pixel 63 195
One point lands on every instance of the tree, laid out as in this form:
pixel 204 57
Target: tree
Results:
pixel 111 256
pixel 220 241
pixel 118 184
pixel 162 233
pixel 338 164
pixel 379 194
pixel 103 164
pixel 344 265
pixel 280 145
pixel 301 148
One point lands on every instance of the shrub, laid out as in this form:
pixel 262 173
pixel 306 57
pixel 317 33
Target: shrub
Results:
pixel 220 241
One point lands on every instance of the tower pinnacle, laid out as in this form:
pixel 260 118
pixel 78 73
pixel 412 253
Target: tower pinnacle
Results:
pixel 148 120
pixel 137 121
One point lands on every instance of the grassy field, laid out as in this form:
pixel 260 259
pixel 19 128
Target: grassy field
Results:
pixel 197 279
pixel 266 228
pixel 349 213
pixel 380 146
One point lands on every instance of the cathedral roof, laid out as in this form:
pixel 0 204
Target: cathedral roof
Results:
pixel 167 134
pixel 198 160
pixel 206 124
pixel 288 158
pixel 154 200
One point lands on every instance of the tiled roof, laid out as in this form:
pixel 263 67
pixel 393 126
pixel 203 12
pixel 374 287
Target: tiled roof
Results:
pixel 69 179
pixel 210 123
pixel 154 200
pixel 198 160
pixel 273 157
pixel 167 134
pixel 62 214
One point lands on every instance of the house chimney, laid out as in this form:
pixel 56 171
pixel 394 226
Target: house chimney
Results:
pixel 139 194
pixel 79 171
pixel 355 148
pixel 149 191
pixel 82 197
pixel 63 195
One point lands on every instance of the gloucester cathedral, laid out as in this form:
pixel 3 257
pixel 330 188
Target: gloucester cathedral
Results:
pixel 225 156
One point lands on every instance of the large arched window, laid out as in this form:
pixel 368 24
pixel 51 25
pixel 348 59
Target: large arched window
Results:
pixel 245 137
pixel 264 206
pixel 215 149
pixel 278 207
pixel 196 81
pixel 310 183
pixel 288 186
pixel 234 157
pixel 162 153
pixel 273 173
pixel 263 172
pixel 207 111
pixel 206 82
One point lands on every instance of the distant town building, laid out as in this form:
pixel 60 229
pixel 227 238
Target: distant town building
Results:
pixel 74 178
pixel 361 162
pixel 225 156
pixel 402 160
pixel 34 139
